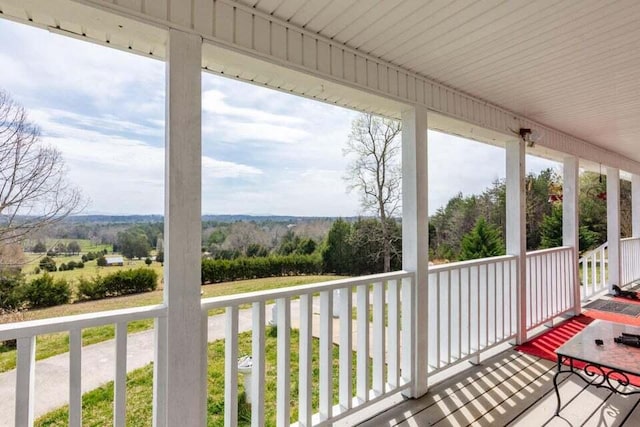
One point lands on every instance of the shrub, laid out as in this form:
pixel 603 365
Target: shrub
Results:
pixel 39 248
pixel 102 261
pixel 45 292
pixel 123 282
pixel 148 261
pixel 80 264
pixel 90 289
pixel 63 267
pixel 224 270
pixel 47 264
pixel 10 282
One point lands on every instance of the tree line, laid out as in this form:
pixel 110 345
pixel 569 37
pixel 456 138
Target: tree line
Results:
pixel 469 215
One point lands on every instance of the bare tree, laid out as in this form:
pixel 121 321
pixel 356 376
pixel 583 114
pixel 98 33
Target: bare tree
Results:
pixel 375 171
pixel 33 188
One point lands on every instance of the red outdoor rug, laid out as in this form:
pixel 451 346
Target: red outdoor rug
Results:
pixel 545 345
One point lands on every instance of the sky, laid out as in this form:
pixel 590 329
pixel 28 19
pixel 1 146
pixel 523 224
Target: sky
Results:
pixel 264 152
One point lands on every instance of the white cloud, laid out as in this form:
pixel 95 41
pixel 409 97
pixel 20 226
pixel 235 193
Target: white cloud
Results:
pixel 214 102
pixel 265 151
pixel 119 174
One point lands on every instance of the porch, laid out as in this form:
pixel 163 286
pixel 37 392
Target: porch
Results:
pixel 512 389
pixel 361 363
pixel 397 333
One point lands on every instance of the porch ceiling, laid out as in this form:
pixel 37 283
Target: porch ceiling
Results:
pixel 571 65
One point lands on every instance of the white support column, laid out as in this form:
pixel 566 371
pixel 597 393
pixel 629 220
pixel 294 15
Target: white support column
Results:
pixel 415 237
pixel 182 230
pixel 635 205
pixel 516 237
pixel 570 221
pixel 613 226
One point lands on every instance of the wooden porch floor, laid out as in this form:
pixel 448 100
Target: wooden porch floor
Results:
pixel 512 389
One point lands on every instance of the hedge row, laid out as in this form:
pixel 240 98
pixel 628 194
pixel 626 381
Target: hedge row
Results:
pixel 123 282
pixel 226 270
pixel 43 291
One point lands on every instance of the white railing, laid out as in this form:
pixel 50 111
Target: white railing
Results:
pixel 471 308
pixel 383 345
pixel 26 332
pixel 549 285
pixel 630 259
pixel 593 271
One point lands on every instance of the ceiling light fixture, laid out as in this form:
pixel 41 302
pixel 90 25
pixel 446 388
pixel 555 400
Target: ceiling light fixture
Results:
pixel 529 136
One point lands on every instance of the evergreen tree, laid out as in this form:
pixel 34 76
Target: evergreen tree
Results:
pixel 551 232
pixel 39 247
pixel 337 251
pixel 483 241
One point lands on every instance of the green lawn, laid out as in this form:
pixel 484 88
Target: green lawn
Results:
pixel 90 269
pixel 50 345
pixel 98 404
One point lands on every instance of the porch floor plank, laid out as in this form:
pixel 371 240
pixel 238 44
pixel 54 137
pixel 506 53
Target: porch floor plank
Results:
pixel 634 418
pixel 512 389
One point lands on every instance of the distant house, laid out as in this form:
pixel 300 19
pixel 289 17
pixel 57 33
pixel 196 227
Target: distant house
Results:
pixel 114 260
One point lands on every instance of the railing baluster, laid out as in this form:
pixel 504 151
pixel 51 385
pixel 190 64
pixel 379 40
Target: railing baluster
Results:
pixel 160 372
pixel 204 363
pixel 529 291
pixel 459 353
pixel 75 377
pixel 346 350
pixel 25 381
pixel 393 310
pixel 362 357
pixel 438 326
pixel 469 319
pixel 495 302
pixel 284 362
pixel 604 266
pixel 478 313
pixel 305 368
pixel 594 282
pixel 408 318
pixel 326 355
pixel 448 316
pixel 231 367
pixel 120 383
pixel 486 304
pixel 378 338
pixel 258 363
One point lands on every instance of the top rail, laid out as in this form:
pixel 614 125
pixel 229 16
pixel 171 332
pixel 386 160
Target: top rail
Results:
pixel 294 291
pixel 548 251
pixel 31 328
pixel 470 263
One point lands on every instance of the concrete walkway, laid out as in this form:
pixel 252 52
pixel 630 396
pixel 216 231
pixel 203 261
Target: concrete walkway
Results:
pixel 98 363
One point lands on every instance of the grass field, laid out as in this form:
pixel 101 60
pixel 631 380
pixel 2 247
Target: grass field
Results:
pixel 97 405
pixel 91 268
pixel 52 344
